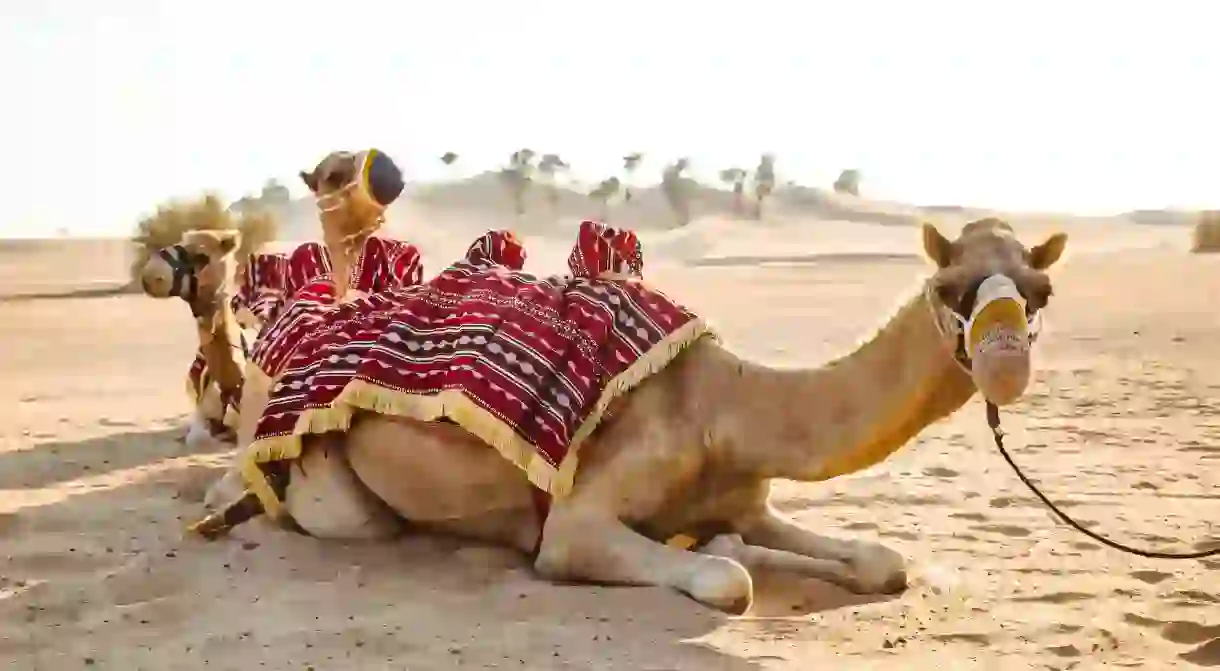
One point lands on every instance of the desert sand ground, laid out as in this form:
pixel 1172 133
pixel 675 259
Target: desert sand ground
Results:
pixel 1122 426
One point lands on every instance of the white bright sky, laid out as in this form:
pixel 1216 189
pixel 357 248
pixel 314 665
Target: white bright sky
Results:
pixel 111 106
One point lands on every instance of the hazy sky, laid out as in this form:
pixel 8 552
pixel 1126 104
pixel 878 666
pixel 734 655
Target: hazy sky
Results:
pixel 110 107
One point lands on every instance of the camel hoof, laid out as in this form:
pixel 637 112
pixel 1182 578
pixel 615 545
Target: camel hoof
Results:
pixel 879 570
pixel 724 585
pixel 197 435
pixel 220 432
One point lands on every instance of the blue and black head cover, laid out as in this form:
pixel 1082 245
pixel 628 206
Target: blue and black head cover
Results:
pixel 378 178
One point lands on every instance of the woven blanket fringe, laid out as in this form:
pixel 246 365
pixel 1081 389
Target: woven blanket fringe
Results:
pixel 361 395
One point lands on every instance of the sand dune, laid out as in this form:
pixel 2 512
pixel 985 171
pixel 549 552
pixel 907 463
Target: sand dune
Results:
pixel 1121 427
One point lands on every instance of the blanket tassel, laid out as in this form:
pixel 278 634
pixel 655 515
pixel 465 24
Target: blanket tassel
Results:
pixel 220 523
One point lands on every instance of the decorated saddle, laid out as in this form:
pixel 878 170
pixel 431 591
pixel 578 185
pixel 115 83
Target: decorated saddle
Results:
pixel 260 289
pixel 199 378
pixel 527 364
pixel 309 294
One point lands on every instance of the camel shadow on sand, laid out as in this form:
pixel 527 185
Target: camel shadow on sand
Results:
pixel 50 463
pixel 100 290
pixel 103 574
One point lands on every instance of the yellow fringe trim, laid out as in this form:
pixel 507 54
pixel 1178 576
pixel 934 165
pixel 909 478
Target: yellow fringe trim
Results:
pixel 455 406
pixel 682 541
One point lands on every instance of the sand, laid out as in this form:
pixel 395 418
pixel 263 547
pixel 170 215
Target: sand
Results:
pixel 1121 426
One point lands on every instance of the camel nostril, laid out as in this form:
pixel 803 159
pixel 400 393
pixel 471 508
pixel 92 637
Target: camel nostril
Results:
pixel 1002 379
pixel 155 285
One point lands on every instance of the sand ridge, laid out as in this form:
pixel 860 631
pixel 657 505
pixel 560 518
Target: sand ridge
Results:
pixel 1121 427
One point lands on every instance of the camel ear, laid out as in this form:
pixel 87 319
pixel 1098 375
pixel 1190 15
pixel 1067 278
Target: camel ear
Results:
pixel 228 241
pixel 1046 254
pixel 311 180
pixel 937 246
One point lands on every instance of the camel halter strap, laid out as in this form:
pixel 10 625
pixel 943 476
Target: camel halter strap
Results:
pixel 182 263
pixel 962 358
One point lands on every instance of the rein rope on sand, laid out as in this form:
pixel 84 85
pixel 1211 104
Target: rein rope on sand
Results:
pixel 997 433
pixel 993 421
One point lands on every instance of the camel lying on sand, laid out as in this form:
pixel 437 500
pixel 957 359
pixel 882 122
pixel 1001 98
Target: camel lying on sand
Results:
pixel 688 448
pixel 200 270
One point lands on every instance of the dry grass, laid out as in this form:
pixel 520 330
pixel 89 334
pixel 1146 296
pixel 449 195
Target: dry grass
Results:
pixel 1207 233
pixel 166 226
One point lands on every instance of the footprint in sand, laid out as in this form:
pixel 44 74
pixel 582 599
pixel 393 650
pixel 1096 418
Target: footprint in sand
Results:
pixel 977 639
pixel 940 472
pixel 1207 654
pixel 1193 597
pixel 1206 638
pixel 973 517
pixel 1057 598
pixel 1010 530
pixel 1151 577
pixel 1007 501
pixel 1185 631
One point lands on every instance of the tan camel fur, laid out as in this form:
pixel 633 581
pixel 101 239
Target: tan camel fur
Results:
pixel 207 256
pixel 691 451
pixel 346 224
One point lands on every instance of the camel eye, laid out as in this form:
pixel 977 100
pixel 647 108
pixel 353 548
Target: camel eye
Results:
pixel 335 179
pixel 198 260
pixel 339 175
pixel 949 295
pixel 1038 297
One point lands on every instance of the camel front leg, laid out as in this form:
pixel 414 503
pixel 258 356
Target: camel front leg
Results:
pixel 872 568
pixel 594 548
pixel 757 558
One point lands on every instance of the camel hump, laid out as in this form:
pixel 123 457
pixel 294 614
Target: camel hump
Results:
pixel 497 247
pixel 602 251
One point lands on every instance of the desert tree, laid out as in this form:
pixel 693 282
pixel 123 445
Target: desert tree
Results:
pixel 165 227
pixel 550 166
pixel 1206 238
pixel 677 187
pixel 848 182
pixel 604 193
pixel 517 176
pixel 735 178
pixel 449 160
pixel 274 193
pixel 764 182
pixel 631 164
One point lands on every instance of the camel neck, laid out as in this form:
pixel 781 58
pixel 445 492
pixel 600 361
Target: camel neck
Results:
pixel 855 411
pixel 220 342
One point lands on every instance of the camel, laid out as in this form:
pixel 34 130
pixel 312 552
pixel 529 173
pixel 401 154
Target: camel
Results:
pixel 200 270
pixel 673 485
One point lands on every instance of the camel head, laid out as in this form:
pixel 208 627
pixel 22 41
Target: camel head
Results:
pixel 353 190
pixel 196 269
pixel 987 292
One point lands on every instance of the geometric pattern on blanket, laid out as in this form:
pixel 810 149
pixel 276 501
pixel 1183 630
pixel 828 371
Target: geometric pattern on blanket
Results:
pixel 260 288
pixel 308 292
pixel 525 363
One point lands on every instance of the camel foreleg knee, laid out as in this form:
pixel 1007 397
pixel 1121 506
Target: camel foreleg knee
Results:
pixel 605 551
